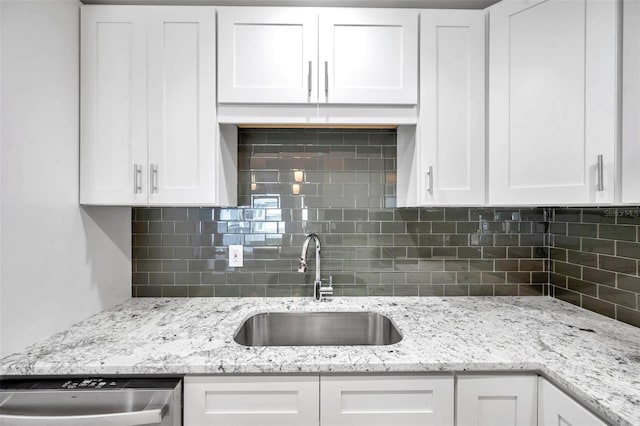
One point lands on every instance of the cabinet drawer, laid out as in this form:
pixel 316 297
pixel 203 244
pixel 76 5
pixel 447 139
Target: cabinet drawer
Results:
pixel 251 400
pixel 386 400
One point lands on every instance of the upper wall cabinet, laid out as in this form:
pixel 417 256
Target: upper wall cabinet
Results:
pixel 631 103
pixel 148 129
pixel 552 102
pixel 334 56
pixel 267 55
pixel 113 138
pixel 443 161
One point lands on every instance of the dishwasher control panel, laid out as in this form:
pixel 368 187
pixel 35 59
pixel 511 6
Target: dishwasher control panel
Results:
pixel 89 383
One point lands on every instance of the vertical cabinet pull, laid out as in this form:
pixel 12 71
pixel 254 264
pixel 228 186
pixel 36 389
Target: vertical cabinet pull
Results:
pixel 153 169
pixel 326 78
pixel 309 82
pixel 137 174
pixel 430 180
pixel 600 173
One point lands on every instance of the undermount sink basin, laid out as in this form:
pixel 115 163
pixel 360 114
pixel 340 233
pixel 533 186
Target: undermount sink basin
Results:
pixel 317 329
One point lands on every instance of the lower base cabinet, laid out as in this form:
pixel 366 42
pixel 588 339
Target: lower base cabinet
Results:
pixel 371 400
pixel 497 400
pixel 557 408
pixel 380 400
pixel 517 400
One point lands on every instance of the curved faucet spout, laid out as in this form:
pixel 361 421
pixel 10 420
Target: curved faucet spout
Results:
pixel 319 290
pixel 302 266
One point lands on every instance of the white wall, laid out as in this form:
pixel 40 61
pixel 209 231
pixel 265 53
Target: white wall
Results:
pixel 59 262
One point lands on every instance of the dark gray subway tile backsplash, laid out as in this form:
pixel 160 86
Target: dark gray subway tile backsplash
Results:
pixel 341 184
pixel 594 256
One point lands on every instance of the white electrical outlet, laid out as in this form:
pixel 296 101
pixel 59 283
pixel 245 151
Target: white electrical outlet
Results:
pixel 235 256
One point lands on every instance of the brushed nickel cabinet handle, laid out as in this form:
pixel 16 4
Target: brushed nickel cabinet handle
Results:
pixel 430 180
pixel 153 169
pixel 326 78
pixel 309 82
pixel 600 173
pixel 137 184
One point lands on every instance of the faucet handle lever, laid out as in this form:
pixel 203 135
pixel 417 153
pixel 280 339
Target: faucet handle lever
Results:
pixel 322 291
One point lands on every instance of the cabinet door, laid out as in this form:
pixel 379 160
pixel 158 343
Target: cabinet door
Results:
pixel 557 408
pixel 552 97
pixel 497 400
pixel 267 55
pixel 113 141
pixel 631 103
pixel 368 56
pixel 251 400
pixel 386 400
pixel 182 116
pixel 450 141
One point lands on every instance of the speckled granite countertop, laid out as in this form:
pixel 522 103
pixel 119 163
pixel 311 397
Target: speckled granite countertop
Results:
pixel 595 359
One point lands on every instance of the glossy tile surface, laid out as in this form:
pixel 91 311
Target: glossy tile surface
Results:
pixel 340 184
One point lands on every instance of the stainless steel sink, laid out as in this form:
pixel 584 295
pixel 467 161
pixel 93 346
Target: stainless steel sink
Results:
pixel 317 329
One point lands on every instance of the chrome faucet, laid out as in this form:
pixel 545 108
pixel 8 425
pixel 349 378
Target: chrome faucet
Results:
pixel 319 291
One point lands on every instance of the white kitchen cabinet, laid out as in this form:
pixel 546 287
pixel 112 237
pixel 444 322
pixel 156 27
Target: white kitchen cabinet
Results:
pixel 148 120
pixel 267 55
pixel 251 400
pixel 113 105
pixel 552 101
pixel 181 107
pixel 497 400
pixel 380 400
pixel 444 162
pixel 386 400
pixel 631 102
pixel 325 55
pixel 557 408
pixel 368 56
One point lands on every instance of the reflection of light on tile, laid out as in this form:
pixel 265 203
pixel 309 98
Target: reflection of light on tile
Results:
pixel 305 215
pixel 253 186
pixel 298 175
pixel 295 189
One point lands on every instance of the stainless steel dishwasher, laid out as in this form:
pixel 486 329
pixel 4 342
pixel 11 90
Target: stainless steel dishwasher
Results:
pixel 91 402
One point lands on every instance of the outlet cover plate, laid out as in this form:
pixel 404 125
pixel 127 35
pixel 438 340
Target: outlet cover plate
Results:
pixel 235 256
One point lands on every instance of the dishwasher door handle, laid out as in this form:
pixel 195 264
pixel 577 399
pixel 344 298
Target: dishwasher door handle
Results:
pixel 133 418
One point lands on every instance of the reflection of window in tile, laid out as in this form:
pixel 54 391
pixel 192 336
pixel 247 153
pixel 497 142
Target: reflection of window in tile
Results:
pixel 265 227
pixel 238 227
pixel 273 214
pixel 265 201
pixel 230 214
pixel 254 214
pixel 228 239
pixel 254 239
